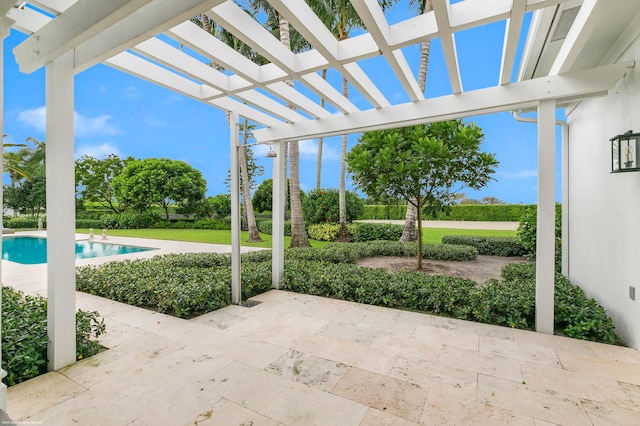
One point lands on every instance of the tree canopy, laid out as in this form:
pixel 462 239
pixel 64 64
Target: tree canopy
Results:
pixel 422 164
pixel 158 181
pixel 94 179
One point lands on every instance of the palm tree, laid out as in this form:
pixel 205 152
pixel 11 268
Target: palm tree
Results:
pixel 341 17
pixel 298 232
pixel 423 6
pixel 245 179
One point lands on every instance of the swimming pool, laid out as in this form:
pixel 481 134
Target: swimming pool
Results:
pixel 33 250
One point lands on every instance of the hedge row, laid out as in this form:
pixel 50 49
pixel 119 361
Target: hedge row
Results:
pixel 489 246
pixel 359 231
pixel 24 335
pixel 510 302
pixel 467 212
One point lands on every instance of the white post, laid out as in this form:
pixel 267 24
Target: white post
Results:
pixel 545 237
pixel 61 277
pixel 5 28
pixel 277 214
pixel 236 291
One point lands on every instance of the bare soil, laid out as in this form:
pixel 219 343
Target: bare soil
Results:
pixel 479 270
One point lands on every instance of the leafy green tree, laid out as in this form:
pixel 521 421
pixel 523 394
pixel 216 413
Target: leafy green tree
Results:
pixel 263 196
pixel 28 197
pixel 94 180
pixel 323 205
pixel 158 181
pixel 421 164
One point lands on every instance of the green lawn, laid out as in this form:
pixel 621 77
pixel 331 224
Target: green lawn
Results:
pixel 431 235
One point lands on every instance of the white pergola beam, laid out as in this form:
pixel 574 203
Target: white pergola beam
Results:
pixel 373 18
pixel 301 17
pixel 28 21
pixel 511 37
pixel 174 58
pixel 149 71
pixel 588 18
pixel 54 7
pixel 83 20
pixel 525 94
pixel 447 39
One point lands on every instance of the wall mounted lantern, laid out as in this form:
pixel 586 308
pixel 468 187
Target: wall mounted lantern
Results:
pixel 625 152
pixel 271 153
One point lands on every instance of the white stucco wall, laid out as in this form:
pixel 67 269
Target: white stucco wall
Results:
pixel 604 207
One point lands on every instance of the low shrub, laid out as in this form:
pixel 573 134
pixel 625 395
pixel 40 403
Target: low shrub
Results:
pixel 489 246
pixel 377 231
pixel 328 231
pixel 25 222
pixel 89 223
pixel 222 224
pixel 183 285
pixel 24 335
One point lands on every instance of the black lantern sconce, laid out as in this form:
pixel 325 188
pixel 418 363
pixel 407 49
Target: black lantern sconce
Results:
pixel 625 152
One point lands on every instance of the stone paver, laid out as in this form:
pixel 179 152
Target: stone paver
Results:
pixel 304 360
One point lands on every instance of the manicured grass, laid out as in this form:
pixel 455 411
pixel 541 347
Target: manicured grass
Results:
pixel 196 235
pixel 430 235
pixel 434 235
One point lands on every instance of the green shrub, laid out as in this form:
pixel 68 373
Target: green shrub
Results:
pixel 24 335
pixel 328 231
pixel 466 212
pixel 489 246
pixel 25 222
pixel 136 220
pixel 265 226
pixel 527 233
pixel 322 205
pixel 89 223
pixel 182 285
pixel 377 231
pixel 222 224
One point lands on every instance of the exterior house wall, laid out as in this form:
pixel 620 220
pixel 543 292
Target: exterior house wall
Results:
pixel 604 207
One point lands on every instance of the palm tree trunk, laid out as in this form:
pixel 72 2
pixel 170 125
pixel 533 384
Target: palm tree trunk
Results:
pixel 320 142
pixel 250 217
pixel 298 231
pixel 343 234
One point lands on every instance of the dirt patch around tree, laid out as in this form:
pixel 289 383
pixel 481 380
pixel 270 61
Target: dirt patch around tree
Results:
pixel 479 270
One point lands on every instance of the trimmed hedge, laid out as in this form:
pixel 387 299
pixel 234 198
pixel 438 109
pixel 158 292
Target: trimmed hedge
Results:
pixel 467 212
pixel 489 246
pixel 183 285
pixel 24 335
pixel 328 231
pixel 24 222
pixel 266 226
pixel 377 231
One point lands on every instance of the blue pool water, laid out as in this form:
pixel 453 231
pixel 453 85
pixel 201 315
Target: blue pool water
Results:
pixel 33 250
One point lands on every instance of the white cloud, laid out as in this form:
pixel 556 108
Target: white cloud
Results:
pixel 84 126
pixel 309 148
pixel 35 118
pixel 97 151
pixel 522 174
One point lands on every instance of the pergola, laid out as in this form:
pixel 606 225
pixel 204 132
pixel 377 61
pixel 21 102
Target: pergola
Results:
pixel 155 40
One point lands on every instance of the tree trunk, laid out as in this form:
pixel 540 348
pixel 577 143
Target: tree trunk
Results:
pixel 409 231
pixel 206 23
pixel 343 234
pixel 419 210
pixel 320 143
pixel 250 217
pixel 298 231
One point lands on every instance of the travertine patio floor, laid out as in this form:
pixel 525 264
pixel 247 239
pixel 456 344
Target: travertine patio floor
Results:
pixel 303 360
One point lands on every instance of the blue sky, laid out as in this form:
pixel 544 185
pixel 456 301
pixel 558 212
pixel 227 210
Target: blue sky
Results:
pixel 121 114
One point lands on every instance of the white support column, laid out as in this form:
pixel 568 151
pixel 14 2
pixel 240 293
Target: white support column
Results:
pixel 5 28
pixel 236 283
pixel 279 202
pixel 545 238
pixel 61 277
